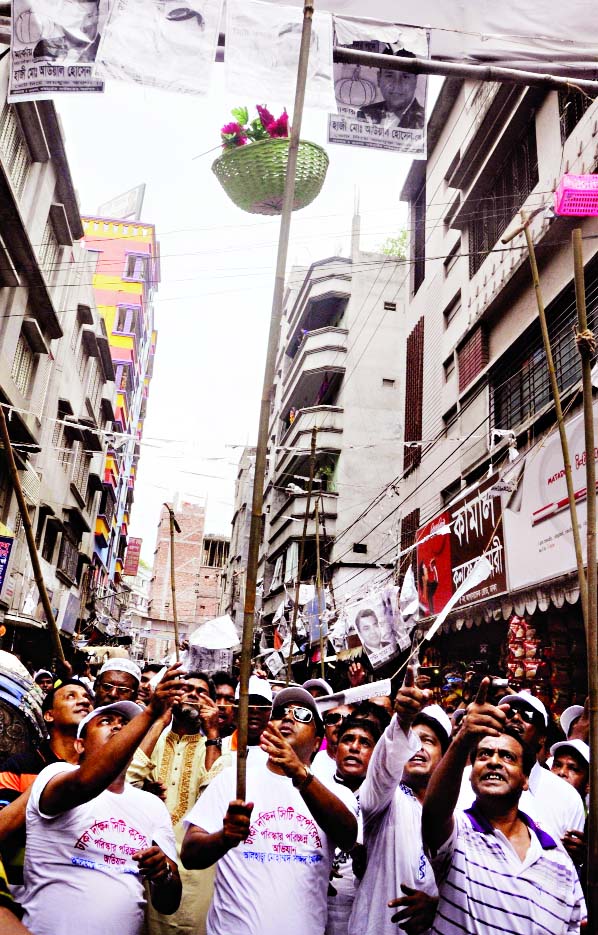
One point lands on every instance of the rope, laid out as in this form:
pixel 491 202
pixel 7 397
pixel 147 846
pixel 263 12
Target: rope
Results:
pixel 586 342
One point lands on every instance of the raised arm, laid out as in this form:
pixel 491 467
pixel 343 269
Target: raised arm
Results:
pixel 482 719
pixel 396 746
pixel 69 789
pixel 201 848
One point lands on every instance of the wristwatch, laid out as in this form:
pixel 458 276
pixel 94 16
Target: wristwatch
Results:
pixel 303 782
pixel 214 742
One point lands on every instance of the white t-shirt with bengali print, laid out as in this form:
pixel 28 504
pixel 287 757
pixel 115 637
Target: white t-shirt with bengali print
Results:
pixel 79 873
pixel 276 881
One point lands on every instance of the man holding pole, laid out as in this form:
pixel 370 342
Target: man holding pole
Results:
pixel 274 853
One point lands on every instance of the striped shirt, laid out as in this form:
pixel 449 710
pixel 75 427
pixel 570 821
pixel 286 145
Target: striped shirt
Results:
pixel 485 889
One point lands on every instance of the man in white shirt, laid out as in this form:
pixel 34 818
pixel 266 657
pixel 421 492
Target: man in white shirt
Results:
pixel 324 764
pixel 92 839
pixel 390 799
pixel 496 870
pixel 274 852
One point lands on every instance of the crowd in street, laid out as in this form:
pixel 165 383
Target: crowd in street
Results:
pixel 385 816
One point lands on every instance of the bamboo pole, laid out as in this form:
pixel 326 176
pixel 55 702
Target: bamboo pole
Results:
pixel 586 345
pixel 583 592
pixel 255 531
pixel 329 576
pixel 319 586
pixel 301 558
pixel 173 525
pixel 37 572
pixel 427 66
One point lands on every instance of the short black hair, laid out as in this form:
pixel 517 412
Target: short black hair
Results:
pixel 48 702
pixel 224 678
pixel 360 723
pixel 368 710
pixel 204 678
pixel 154 667
pixel 528 754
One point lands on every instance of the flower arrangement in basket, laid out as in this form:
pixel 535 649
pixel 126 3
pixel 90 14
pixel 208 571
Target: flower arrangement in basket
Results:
pixel 252 168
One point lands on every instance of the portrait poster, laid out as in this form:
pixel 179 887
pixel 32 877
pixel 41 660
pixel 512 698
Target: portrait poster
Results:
pixel 377 107
pixel 168 45
pixel 372 620
pixel 262 41
pixel 54 45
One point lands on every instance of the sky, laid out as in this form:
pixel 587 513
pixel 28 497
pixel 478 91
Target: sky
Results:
pixel 217 265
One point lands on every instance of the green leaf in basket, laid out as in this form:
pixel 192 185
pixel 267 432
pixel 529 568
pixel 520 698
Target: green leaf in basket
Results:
pixel 241 115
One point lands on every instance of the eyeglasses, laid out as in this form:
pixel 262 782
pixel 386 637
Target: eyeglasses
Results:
pixel 120 690
pixel 333 718
pixel 529 715
pixel 302 715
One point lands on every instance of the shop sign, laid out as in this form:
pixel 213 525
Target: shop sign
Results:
pixel 132 560
pixel 449 546
pixel 6 543
pixel 537 521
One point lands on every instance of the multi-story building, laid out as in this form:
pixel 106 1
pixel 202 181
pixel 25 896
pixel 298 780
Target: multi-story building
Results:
pixel 233 578
pixel 56 374
pixel 338 372
pixel 474 346
pixel 126 277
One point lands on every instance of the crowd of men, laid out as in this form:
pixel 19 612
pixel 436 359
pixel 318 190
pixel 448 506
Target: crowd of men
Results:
pixel 385 816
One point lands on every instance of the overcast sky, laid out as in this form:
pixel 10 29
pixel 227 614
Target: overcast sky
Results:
pixel 213 303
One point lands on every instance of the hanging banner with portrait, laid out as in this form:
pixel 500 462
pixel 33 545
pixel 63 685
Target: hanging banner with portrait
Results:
pixel 378 107
pixel 382 623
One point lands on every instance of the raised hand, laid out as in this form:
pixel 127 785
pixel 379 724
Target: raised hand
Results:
pixel 154 865
pixel 281 752
pixel 482 717
pixel 208 713
pixel 356 674
pixel 236 824
pixel 410 700
pixel 169 689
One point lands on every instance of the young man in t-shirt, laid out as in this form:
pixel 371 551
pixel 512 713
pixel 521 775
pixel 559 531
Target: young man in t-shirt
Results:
pixel 274 852
pixel 92 839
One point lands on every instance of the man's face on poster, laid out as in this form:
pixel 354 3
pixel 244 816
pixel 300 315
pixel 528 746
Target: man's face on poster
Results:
pixel 397 89
pixel 369 629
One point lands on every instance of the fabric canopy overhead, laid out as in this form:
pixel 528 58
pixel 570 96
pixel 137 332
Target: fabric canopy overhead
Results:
pixel 562 36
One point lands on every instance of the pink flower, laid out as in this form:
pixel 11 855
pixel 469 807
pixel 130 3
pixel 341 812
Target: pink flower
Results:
pixel 280 127
pixel 265 116
pixel 233 135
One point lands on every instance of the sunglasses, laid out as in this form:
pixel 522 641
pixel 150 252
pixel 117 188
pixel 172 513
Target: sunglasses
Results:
pixel 529 715
pixel 302 715
pixel 334 718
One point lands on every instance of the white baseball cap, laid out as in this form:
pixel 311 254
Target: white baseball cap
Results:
pixel 569 715
pixel 436 713
pixel 257 686
pixel 581 747
pixel 525 697
pixel 321 684
pixel 127 708
pixel 122 665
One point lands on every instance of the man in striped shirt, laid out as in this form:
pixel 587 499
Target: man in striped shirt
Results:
pixel 495 870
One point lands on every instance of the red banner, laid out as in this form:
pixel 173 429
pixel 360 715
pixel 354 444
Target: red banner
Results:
pixel 132 559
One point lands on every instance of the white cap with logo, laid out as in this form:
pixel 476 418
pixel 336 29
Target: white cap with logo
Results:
pixel 127 708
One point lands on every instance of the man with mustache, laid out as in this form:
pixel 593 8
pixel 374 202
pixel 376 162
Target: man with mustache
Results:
pixel 496 870
pixel 391 801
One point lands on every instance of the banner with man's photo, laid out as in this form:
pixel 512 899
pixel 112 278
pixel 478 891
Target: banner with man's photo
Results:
pixel 383 621
pixel 381 108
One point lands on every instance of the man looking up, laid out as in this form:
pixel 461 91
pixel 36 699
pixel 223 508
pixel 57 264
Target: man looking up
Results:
pixel 145 687
pixel 118 680
pixel 183 757
pixel 274 852
pixel 391 797
pixel 260 709
pixel 496 870
pixel 324 765
pixel 571 762
pixel 92 839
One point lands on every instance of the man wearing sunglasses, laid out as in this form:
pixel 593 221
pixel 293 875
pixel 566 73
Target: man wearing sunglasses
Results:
pixel 324 764
pixel 275 851
pixel 552 804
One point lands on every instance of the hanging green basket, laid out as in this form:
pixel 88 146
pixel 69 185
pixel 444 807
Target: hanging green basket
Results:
pixel 253 176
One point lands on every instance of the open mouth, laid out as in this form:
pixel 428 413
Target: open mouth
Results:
pixel 418 759
pixel 493 778
pixel 351 761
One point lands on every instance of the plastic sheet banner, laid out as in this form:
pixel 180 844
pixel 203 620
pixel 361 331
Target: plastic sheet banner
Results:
pixel 133 556
pixel 168 44
pixel 377 107
pixel 54 45
pixel 262 54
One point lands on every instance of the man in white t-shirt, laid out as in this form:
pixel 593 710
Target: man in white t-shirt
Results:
pixel 274 852
pixel 92 839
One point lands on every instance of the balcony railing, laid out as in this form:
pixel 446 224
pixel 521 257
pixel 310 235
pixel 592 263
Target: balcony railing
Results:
pixel 322 352
pixel 287 523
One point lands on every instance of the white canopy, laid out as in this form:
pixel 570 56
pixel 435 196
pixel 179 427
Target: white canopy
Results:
pixel 219 633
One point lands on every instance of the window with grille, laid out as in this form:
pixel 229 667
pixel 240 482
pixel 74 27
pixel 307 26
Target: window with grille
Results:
pixel 81 462
pixel 50 538
pixel 520 386
pixel 68 556
pixel 572 106
pixel 418 249
pixel 13 149
pixel 126 319
pixel 136 267
pixel 22 365
pixel 81 362
pixel 414 396
pixel 94 386
pixel 409 527
pixel 472 357
pixel 49 251
pixel 508 190
pixel 106 507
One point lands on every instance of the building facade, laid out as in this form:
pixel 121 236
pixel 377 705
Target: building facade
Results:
pixel 234 577
pixel 480 409
pixel 56 377
pixel 338 373
pixel 125 256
